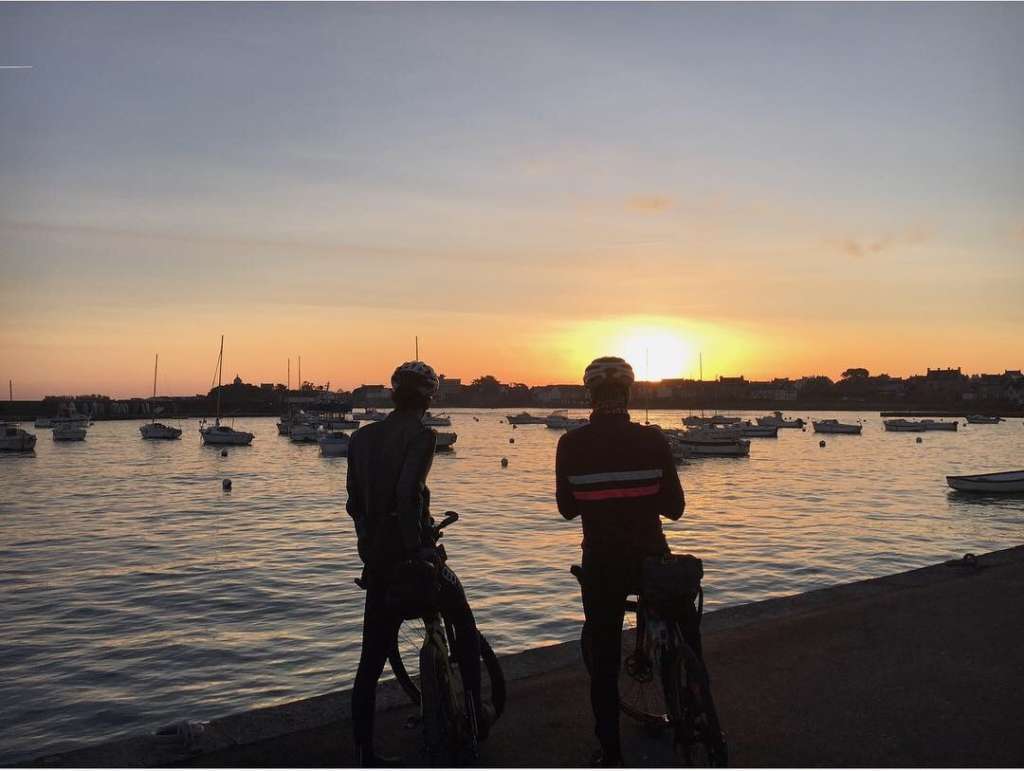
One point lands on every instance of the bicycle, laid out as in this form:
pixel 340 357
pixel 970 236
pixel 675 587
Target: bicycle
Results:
pixel 447 711
pixel 656 648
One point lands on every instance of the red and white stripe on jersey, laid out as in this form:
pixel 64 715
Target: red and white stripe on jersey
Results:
pixel 609 485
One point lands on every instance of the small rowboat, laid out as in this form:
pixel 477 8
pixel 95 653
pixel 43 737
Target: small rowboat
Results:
pixel 1000 482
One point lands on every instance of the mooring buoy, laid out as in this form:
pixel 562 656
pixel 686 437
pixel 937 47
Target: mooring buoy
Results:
pixel 504 462
pixel 821 443
pixel 226 484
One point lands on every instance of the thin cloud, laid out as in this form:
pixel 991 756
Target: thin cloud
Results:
pixel 651 204
pixel 860 248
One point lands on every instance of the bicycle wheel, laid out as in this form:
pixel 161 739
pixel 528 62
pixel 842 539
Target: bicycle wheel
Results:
pixel 640 695
pixel 439 730
pixel 410 640
pixel 407 648
pixel 698 737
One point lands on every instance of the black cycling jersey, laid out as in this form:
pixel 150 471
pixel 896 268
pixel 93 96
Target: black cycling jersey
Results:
pixel 620 477
pixel 388 497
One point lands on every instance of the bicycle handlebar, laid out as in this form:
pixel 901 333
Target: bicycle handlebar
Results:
pixel 450 517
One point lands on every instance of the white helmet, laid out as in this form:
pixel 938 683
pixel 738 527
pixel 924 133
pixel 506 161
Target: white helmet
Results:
pixel 418 374
pixel 608 369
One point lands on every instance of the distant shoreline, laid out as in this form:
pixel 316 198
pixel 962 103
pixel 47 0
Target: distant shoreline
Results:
pixel 27 415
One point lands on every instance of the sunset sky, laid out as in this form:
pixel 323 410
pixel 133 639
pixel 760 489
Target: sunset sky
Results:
pixel 788 189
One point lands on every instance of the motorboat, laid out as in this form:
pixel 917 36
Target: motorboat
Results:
pixel 43 423
pixel 703 443
pixel 218 434
pixel 778 420
pixel 304 432
pixel 699 421
pixel 156 430
pixel 370 415
pixel 436 420
pixel 445 440
pixel 696 421
pixel 998 482
pixel 983 419
pixel 14 439
pixel 524 419
pixel 69 433
pixel 334 444
pixel 749 430
pixel 339 424
pixel 833 426
pixel 917 426
pixel 561 419
pixel 284 427
pixel 159 431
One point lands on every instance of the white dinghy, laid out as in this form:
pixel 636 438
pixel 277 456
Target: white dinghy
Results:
pixel 998 482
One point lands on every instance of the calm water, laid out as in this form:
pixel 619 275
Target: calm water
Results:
pixel 136 592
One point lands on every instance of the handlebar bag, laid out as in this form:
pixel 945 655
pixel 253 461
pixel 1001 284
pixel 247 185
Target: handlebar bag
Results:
pixel 671 584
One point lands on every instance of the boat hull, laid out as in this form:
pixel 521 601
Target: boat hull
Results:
pixel 69 434
pixel 1002 482
pixel 983 420
pixel 837 428
pixel 236 438
pixel 445 440
pixel 918 427
pixel 21 441
pixel 159 431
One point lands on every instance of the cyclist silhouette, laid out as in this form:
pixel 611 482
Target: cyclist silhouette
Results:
pixel 389 501
pixel 619 477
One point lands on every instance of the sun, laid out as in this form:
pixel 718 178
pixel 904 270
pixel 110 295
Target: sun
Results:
pixel 656 353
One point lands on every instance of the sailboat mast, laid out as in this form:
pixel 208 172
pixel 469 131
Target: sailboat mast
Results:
pixel 300 373
pixel 647 375
pixel 156 361
pixel 417 347
pixel 289 373
pixel 700 364
pixel 220 374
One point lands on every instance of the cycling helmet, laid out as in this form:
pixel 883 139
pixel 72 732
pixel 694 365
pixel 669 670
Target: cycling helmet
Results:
pixel 608 370
pixel 417 374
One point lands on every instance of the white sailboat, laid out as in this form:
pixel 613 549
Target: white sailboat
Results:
pixel 218 434
pixel 154 430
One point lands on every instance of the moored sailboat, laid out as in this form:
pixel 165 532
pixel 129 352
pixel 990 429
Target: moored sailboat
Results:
pixel 218 434
pixel 154 430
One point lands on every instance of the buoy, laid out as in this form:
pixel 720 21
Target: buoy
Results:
pixel 223 453
pixel 804 430
pixel 226 484
pixel 504 462
pixel 514 426
pixel 919 440
pixel 511 440
pixel 821 443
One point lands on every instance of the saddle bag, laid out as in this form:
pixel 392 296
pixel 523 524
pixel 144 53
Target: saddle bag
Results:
pixel 671 585
pixel 413 589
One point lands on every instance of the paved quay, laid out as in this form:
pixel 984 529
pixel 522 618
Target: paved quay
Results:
pixel 924 668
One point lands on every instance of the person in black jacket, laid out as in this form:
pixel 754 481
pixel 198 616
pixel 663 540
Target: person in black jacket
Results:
pixel 619 477
pixel 389 501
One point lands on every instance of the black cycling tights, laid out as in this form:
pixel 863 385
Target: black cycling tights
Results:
pixel 380 634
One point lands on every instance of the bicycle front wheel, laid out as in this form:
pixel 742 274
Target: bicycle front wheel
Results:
pixel 410 640
pixel 641 696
